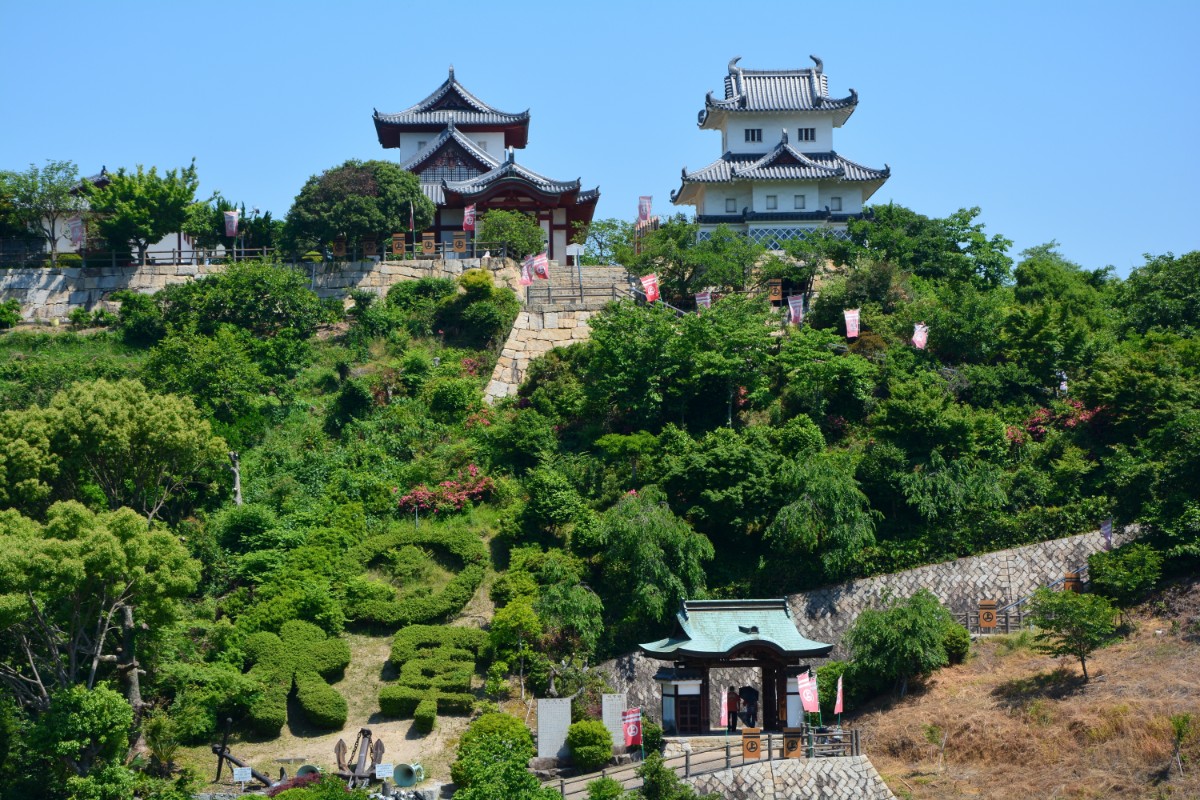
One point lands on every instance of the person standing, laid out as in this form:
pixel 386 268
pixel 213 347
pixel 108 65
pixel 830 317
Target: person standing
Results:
pixel 732 701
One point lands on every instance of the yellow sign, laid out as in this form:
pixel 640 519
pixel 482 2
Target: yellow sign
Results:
pixel 751 744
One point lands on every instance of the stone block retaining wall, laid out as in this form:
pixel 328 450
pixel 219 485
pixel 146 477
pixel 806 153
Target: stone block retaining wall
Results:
pixel 535 333
pixel 847 778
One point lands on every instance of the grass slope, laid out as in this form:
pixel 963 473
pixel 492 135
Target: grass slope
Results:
pixel 1023 725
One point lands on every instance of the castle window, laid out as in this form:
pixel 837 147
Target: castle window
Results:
pixel 806 135
pixel 798 202
pixel 730 205
pixel 753 134
pixel 421 146
pixel 835 204
pixel 772 202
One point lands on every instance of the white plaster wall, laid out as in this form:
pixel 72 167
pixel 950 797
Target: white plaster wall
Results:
pixel 786 192
pixel 492 142
pixel 734 137
pixel 714 197
pixel 851 197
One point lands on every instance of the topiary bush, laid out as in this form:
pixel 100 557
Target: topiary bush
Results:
pixel 590 743
pixel 300 655
pixel 957 641
pixel 435 666
pixel 493 728
pixel 652 736
pixel 10 313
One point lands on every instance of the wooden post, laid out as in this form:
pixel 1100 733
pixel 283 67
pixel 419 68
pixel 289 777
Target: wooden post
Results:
pixel 727 753
pixel 687 764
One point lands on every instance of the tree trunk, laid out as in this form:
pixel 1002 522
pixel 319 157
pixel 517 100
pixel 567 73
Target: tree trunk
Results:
pixel 129 663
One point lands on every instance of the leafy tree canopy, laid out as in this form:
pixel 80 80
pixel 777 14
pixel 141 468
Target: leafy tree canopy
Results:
pixel 519 232
pixel 139 208
pixel 40 199
pixel 1072 624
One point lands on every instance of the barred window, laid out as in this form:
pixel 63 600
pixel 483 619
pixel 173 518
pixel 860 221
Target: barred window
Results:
pixel 806 135
pixel 753 134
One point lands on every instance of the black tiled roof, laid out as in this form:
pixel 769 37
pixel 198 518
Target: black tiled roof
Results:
pixel 451 134
pixel 784 163
pixel 778 90
pixel 511 169
pixel 451 102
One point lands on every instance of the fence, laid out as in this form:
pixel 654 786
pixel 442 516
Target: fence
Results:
pixel 814 743
pixel 567 294
pixel 1012 617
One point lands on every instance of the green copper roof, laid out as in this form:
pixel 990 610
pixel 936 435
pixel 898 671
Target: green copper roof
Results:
pixel 716 628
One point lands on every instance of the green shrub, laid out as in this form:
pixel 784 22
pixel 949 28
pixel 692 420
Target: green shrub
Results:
pixel 590 744
pixel 491 728
pixel 451 399
pixel 10 313
pixel 425 715
pixel 957 641
pixel 79 317
pixel 69 260
pixel 652 736
pixel 605 789
pixel 299 655
pixel 435 665
pixel 1126 574
pixel 140 318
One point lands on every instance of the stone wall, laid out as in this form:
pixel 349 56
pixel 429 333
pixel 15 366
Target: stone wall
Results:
pixel 537 330
pixel 825 614
pixel 50 294
pixel 846 778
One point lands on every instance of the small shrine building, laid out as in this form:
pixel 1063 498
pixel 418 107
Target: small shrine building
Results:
pixel 462 152
pixel 730 634
pixel 779 176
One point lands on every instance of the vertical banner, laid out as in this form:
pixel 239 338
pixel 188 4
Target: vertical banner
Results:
pixel 1106 529
pixel 851 323
pixel 75 226
pixel 808 692
pixel 412 224
pixel 837 705
pixel 650 285
pixel 644 208
pixel 920 335
pixel 469 218
pixel 1062 382
pixel 724 709
pixel 541 267
pixel 796 309
pixel 631 721
pixel 527 272
pixel 703 300
pixel 231 223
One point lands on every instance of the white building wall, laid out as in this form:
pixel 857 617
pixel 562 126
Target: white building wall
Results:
pixel 852 202
pixel 493 143
pixel 772 126
pixel 715 196
pixel 785 195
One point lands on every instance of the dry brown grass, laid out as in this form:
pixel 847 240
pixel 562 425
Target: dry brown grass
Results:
pixel 1023 725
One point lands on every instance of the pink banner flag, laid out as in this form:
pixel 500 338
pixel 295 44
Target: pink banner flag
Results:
pixel 920 335
pixel 412 223
pixel 851 323
pixel 644 208
pixel 469 218
pixel 631 722
pixel 231 223
pixel 650 284
pixel 724 709
pixel 807 685
pixel 541 267
pixel 1106 529
pixel 1062 382
pixel 75 224
pixel 527 271
pixel 837 705
pixel 796 309
pixel 703 300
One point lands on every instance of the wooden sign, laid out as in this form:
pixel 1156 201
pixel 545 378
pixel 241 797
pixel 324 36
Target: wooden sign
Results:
pixel 460 242
pixel 428 244
pixel 370 247
pixel 339 247
pixel 987 615
pixel 751 744
pixel 793 743
pixel 775 290
pixel 1072 583
pixel 398 244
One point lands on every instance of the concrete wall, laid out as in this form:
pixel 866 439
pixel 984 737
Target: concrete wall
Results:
pixel 847 778
pixel 48 294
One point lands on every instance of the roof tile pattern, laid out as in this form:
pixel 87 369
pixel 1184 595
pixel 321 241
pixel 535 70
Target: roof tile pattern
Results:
pixel 451 102
pixel 716 628
pixel 784 163
pixel 778 90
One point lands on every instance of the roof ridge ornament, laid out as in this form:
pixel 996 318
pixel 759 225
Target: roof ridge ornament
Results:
pixel 510 156
pixel 737 71
pixel 784 140
pixel 820 65
pixel 451 72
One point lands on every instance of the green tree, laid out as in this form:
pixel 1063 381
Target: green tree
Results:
pixel 84 734
pixel 1164 293
pixel 205 224
pixel 77 594
pixel 41 198
pixel 139 208
pixel 1125 574
pixel 902 640
pixel 139 449
pixel 358 200
pixel 729 348
pixel 1072 624
pixel 519 232
pixel 659 782
pixel 606 241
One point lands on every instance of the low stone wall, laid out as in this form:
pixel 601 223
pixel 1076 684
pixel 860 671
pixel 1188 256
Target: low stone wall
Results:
pixel 847 778
pixel 50 294
pixel 825 614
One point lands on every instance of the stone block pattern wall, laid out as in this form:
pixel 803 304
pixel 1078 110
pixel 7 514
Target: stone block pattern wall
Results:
pixel 1005 575
pixel 50 294
pixel 849 778
pixel 535 333
pixel 825 614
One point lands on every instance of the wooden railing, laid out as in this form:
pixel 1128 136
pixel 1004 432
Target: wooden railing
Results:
pixel 814 743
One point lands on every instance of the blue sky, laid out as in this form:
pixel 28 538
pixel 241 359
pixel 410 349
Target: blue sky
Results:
pixel 1071 121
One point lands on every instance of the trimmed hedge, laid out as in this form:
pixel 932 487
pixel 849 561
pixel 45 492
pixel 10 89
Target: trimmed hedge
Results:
pixel 591 744
pixel 435 666
pixel 374 602
pixel 301 656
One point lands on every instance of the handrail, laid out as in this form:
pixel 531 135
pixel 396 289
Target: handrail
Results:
pixel 1078 572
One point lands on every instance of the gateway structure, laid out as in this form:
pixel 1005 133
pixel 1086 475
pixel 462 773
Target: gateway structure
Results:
pixel 462 151
pixel 779 176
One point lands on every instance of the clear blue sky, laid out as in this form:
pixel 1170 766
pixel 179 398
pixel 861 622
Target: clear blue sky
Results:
pixel 1075 121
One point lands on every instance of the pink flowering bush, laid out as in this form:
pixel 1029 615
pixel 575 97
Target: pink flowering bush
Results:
pixel 468 487
pixel 1071 414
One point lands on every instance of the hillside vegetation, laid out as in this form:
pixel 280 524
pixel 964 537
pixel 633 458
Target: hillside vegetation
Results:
pixel 714 454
